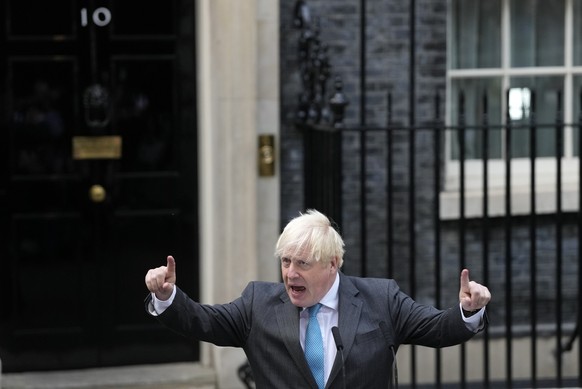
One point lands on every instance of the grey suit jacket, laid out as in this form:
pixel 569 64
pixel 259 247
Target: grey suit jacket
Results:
pixel 373 316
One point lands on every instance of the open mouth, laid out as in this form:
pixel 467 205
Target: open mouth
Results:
pixel 298 289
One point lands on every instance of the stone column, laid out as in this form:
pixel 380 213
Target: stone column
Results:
pixel 237 41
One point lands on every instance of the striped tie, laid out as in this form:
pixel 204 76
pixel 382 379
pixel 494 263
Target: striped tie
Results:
pixel 314 347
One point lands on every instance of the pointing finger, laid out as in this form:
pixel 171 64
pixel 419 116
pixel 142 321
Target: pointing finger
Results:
pixel 171 265
pixel 465 280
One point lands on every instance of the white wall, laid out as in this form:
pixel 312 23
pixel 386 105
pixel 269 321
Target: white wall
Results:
pixel 238 99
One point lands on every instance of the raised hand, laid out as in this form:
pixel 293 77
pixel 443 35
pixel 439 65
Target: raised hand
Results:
pixel 473 296
pixel 161 280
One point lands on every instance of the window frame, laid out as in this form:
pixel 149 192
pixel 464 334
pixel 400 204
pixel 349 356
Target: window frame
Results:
pixel 520 167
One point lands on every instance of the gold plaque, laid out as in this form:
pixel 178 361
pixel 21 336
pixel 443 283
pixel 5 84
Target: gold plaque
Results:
pixel 97 147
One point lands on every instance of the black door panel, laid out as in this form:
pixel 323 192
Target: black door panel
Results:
pixel 80 223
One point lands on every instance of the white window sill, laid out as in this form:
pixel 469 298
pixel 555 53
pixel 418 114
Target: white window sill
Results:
pixel 520 202
pixel 546 172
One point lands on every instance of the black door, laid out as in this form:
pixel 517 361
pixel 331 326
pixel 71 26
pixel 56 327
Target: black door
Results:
pixel 97 178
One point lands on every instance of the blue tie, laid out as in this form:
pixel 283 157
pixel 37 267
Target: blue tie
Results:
pixel 314 346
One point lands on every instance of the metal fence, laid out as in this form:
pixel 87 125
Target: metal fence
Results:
pixel 386 163
pixel 387 189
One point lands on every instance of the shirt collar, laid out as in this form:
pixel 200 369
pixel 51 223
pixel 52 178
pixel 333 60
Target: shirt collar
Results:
pixel 331 298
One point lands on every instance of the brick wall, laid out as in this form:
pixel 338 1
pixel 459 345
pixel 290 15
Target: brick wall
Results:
pixel 387 70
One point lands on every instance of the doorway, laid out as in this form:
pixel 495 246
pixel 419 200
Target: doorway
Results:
pixel 97 178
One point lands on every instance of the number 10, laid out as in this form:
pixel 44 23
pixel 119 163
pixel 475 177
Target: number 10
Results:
pixel 101 17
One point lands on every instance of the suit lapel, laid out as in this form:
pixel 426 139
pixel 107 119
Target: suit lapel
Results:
pixel 350 308
pixel 288 322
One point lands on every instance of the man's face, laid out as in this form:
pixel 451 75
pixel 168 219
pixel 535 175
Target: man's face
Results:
pixel 307 280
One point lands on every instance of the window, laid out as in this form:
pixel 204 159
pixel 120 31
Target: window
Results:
pixel 509 60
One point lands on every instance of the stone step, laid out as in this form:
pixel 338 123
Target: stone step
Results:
pixel 163 376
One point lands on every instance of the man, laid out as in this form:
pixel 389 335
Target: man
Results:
pixel 272 322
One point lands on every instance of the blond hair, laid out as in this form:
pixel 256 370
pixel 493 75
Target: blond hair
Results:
pixel 312 235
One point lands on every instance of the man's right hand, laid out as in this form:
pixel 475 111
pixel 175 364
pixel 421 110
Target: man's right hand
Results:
pixel 161 280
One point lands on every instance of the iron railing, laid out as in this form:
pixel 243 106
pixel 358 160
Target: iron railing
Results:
pixel 502 240
pixel 386 188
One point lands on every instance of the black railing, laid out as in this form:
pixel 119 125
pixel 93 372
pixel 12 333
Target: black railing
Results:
pixel 502 240
pixel 387 189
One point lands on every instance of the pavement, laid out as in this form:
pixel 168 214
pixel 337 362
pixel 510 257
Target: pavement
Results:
pixel 163 376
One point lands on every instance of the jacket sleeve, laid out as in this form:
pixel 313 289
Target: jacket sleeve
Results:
pixel 425 325
pixel 221 324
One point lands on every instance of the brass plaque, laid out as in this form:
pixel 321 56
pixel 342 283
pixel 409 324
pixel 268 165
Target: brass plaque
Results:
pixel 266 155
pixel 97 147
